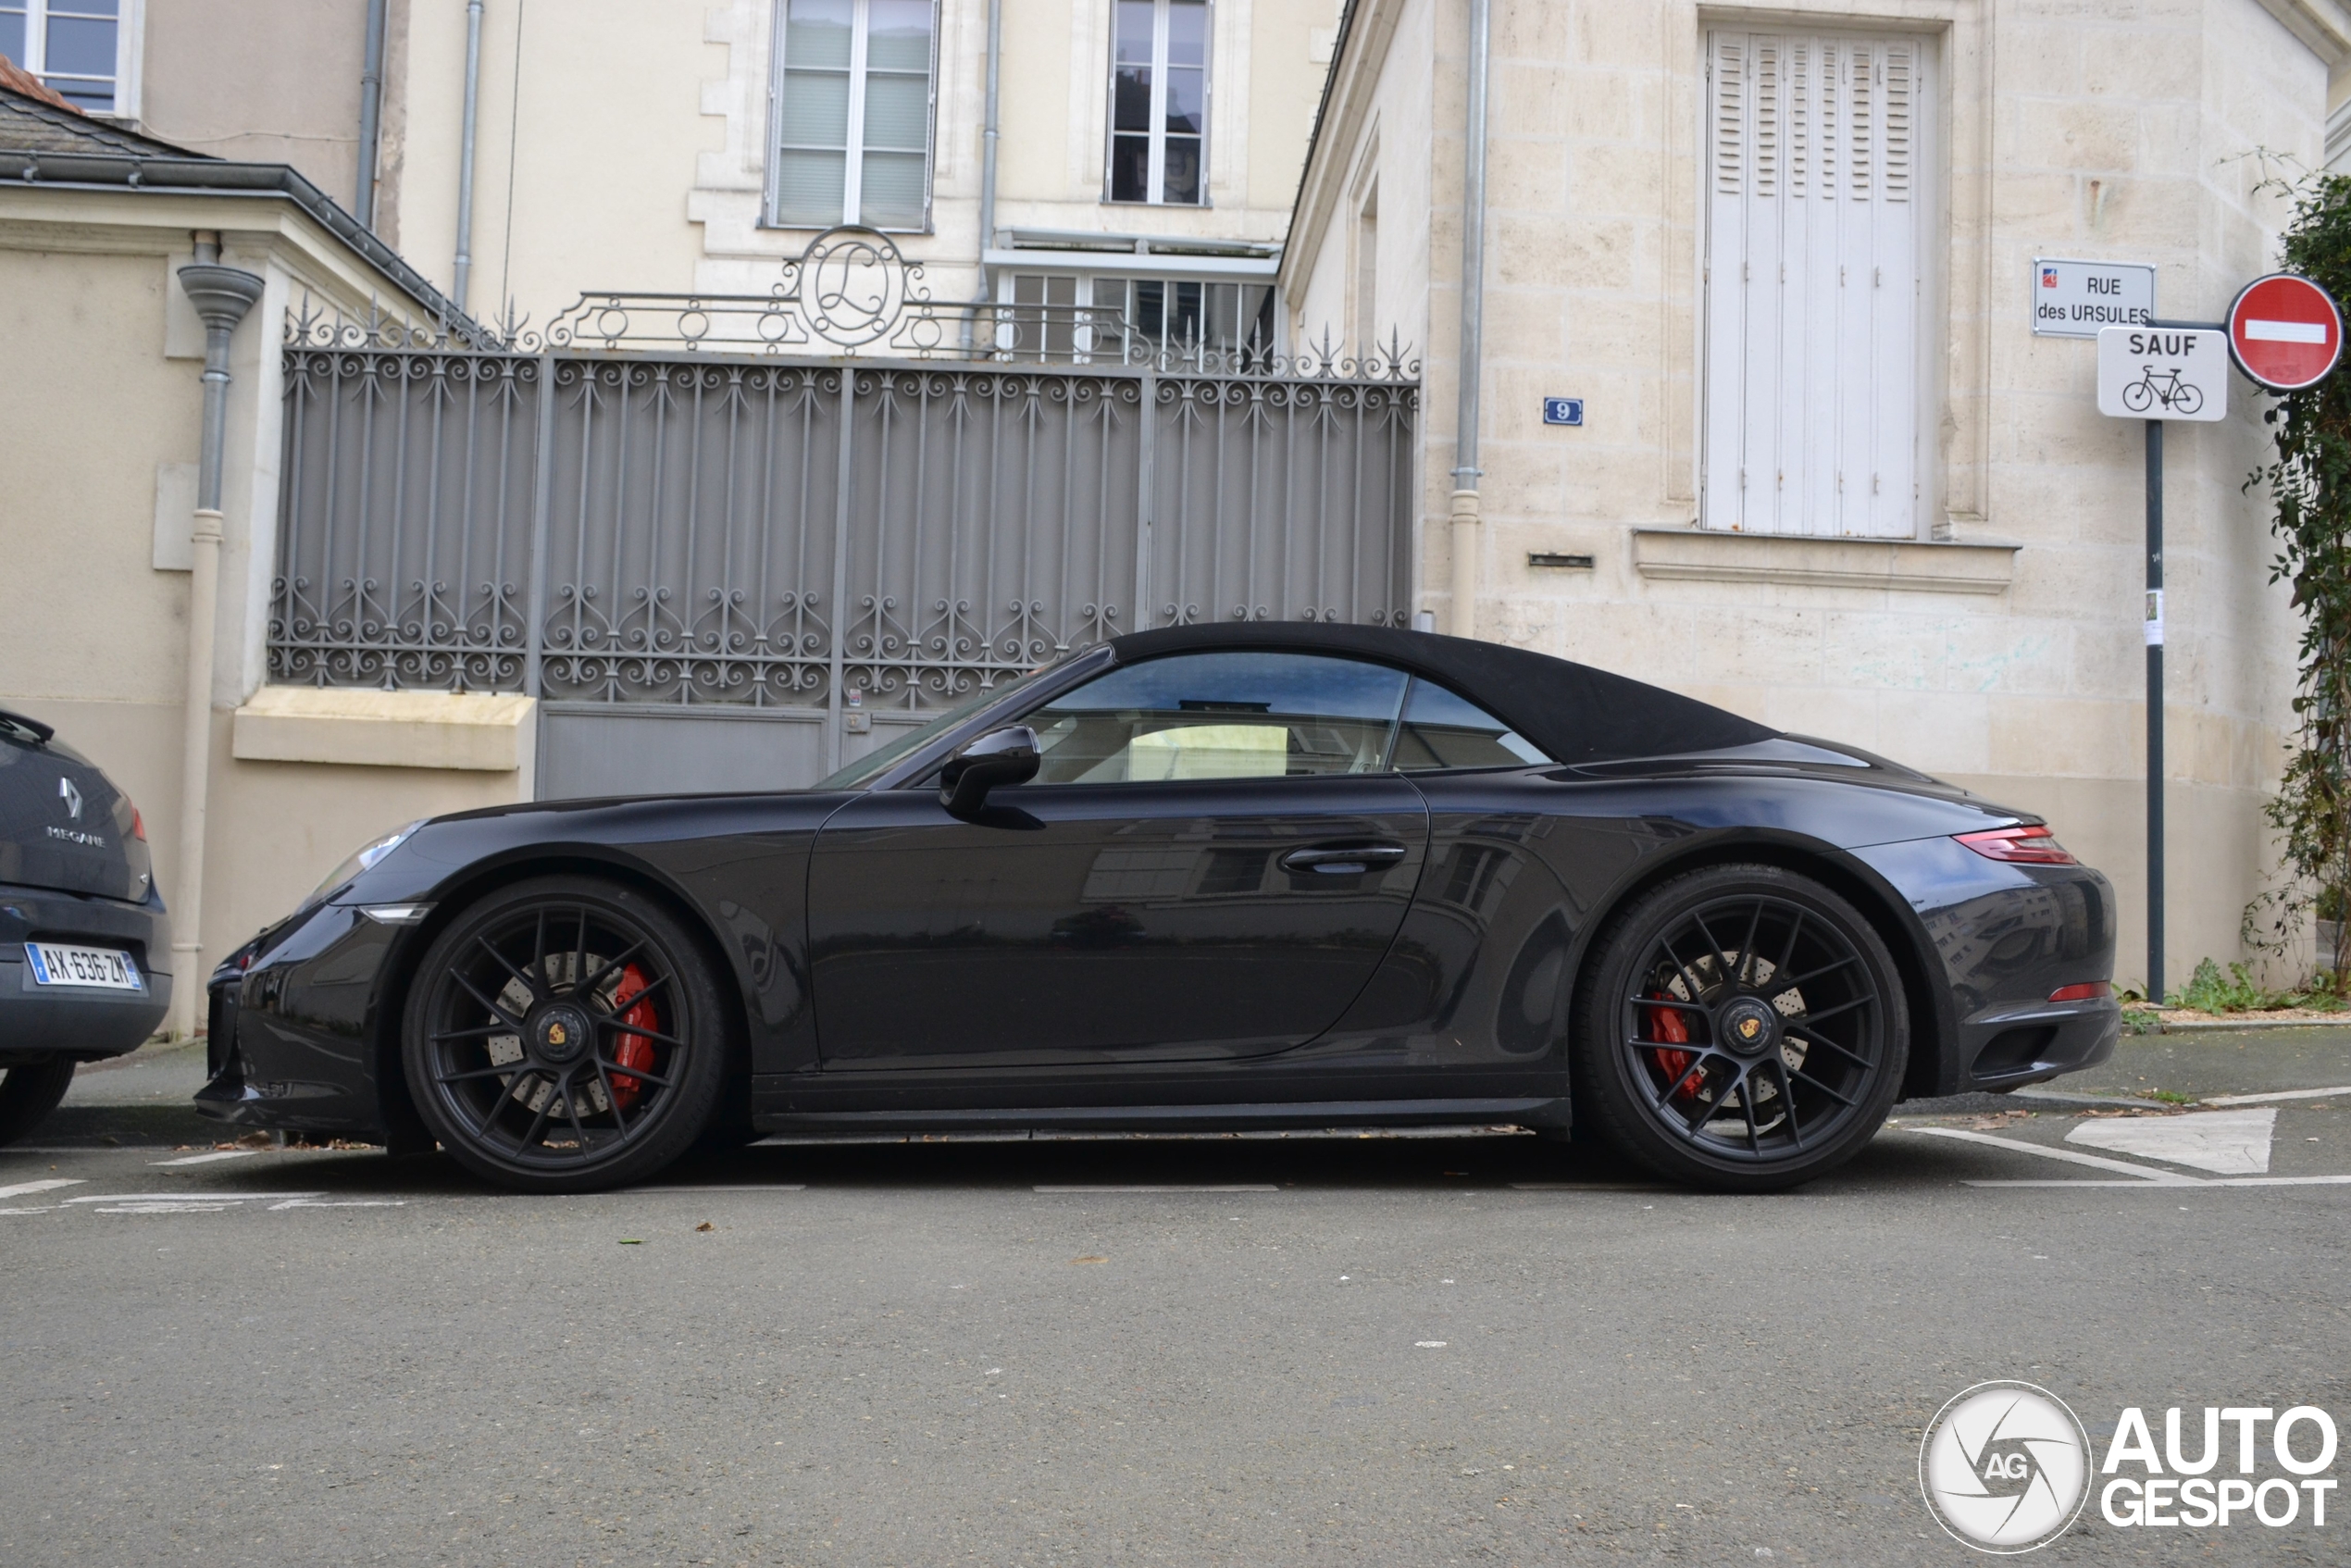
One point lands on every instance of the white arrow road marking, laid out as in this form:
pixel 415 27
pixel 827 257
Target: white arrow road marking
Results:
pixel 2225 1142
pixel 27 1189
pixel 2230 1099
pixel 2145 1173
pixel 207 1159
pixel 2286 332
pixel 341 1204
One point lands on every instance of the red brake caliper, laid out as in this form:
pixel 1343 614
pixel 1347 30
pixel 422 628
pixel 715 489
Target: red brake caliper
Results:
pixel 635 1051
pixel 1665 1025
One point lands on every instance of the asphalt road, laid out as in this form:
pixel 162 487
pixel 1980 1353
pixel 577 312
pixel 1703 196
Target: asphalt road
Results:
pixel 1424 1351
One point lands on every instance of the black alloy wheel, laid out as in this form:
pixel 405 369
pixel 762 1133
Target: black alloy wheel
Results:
pixel 1743 1028
pixel 564 1034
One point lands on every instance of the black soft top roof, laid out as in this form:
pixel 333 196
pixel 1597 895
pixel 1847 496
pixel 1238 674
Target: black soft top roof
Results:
pixel 1573 712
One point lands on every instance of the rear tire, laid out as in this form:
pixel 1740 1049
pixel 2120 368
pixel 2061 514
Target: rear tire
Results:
pixel 27 1094
pixel 1742 1028
pixel 566 1035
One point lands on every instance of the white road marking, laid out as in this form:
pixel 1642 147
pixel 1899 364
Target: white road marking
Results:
pixel 2148 1173
pixel 2225 1142
pixel 2276 1095
pixel 341 1204
pixel 27 1189
pixel 2188 1181
pixel 160 1207
pixel 45 1209
pixel 747 1187
pixel 190 1197
pixel 209 1159
pixel 1230 1187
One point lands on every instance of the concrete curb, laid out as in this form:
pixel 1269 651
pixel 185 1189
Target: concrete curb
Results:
pixel 2250 1026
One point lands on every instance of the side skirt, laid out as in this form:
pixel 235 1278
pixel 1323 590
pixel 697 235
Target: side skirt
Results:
pixel 1542 1113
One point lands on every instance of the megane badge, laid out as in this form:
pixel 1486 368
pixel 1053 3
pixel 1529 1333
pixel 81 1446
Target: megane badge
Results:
pixel 72 797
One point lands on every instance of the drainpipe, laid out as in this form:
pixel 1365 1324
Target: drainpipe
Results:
pixel 221 295
pixel 1465 469
pixel 465 155
pixel 988 154
pixel 371 99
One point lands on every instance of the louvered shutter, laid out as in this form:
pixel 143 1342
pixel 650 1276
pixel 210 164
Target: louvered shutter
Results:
pixel 1811 396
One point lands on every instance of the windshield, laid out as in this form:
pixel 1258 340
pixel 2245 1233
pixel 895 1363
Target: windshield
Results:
pixel 874 764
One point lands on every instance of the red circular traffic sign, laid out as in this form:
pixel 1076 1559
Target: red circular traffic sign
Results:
pixel 2285 331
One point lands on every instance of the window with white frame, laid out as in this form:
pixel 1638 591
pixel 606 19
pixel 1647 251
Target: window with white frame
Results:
pixel 1159 102
pixel 1812 284
pixel 852 102
pixel 74 47
pixel 1057 316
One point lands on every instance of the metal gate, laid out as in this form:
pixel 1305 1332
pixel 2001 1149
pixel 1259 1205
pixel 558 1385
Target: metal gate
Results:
pixel 723 564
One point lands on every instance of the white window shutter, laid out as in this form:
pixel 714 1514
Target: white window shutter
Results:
pixel 1812 253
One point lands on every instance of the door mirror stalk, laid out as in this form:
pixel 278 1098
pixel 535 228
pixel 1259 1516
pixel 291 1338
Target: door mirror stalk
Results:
pixel 997 759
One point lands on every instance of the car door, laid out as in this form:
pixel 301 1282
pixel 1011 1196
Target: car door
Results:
pixel 1211 861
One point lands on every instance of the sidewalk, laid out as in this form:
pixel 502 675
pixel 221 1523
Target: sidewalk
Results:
pixel 2220 1062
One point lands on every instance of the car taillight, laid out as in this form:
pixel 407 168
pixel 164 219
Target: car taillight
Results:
pixel 2088 991
pixel 2024 846
pixel 138 826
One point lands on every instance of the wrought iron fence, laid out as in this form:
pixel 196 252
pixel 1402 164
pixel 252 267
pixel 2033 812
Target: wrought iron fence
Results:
pixel 663 499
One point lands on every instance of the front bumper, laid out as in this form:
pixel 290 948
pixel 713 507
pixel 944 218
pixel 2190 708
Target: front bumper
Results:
pixel 44 1021
pixel 292 1038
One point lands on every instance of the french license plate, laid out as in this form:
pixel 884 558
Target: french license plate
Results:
pixel 58 963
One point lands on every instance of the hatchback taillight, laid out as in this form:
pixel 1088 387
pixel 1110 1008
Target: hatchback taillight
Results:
pixel 138 826
pixel 2034 845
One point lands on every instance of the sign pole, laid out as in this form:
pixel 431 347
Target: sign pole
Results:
pixel 2154 711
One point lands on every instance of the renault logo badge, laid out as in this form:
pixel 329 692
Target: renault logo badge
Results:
pixel 72 797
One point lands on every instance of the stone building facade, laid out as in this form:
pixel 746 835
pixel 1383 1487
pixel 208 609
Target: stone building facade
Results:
pixel 1828 476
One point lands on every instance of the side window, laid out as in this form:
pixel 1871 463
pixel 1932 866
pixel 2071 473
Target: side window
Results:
pixel 1221 715
pixel 1442 730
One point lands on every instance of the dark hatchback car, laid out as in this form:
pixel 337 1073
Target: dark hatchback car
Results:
pixel 1211 877
pixel 84 943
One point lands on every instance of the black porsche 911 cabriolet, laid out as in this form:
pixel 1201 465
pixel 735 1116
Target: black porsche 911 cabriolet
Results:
pixel 1255 876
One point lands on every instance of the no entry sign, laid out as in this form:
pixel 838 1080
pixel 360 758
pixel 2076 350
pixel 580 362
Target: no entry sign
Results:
pixel 2284 332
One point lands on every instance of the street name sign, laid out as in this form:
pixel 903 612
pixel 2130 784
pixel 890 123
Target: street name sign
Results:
pixel 2163 373
pixel 2284 332
pixel 2080 299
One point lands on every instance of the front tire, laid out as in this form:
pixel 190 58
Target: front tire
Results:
pixel 1743 1029
pixel 566 1035
pixel 30 1093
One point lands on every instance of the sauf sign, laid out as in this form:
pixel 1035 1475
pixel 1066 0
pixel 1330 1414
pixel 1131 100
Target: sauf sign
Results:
pixel 2163 373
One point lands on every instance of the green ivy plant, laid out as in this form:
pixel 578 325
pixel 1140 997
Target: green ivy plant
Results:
pixel 2309 484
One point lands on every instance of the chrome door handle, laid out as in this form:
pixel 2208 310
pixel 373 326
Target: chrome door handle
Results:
pixel 1352 860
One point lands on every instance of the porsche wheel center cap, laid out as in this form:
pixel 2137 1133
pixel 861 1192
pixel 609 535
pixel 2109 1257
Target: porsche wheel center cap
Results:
pixel 1750 1027
pixel 561 1034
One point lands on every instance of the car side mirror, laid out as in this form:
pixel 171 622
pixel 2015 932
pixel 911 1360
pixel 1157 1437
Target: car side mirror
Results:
pixel 999 758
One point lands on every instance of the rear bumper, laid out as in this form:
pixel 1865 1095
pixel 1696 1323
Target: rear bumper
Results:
pixel 87 1025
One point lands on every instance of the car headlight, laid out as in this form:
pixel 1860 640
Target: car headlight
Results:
pixel 360 860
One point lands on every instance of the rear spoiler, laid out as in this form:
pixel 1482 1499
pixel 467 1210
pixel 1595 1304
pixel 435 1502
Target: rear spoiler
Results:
pixel 31 730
